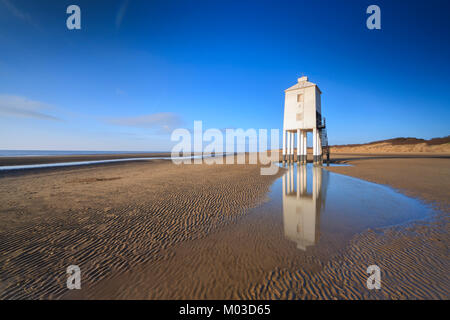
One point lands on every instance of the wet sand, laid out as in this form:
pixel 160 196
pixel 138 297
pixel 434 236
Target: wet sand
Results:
pixel 10 161
pixel 156 230
pixel 419 176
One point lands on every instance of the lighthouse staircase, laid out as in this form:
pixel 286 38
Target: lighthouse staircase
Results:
pixel 324 139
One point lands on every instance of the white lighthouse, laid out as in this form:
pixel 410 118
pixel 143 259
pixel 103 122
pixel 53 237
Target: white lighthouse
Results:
pixel 303 114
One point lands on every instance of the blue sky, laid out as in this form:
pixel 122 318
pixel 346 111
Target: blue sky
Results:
pixel 138 69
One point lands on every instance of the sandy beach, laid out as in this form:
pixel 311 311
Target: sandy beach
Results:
pixel 112 217
pixel 155 230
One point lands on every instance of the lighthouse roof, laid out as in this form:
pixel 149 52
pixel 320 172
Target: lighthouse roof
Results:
pixel 302 83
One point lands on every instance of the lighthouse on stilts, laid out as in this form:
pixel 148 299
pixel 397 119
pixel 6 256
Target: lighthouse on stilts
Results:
pixel 303 114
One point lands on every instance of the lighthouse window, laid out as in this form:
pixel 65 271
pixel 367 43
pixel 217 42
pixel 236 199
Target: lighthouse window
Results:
pixel 299 116
pixel 300 98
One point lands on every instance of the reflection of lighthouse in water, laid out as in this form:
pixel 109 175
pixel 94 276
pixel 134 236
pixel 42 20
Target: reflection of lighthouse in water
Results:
pixel 301 209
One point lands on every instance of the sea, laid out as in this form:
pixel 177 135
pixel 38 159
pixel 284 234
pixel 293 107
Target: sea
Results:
pixel 29 153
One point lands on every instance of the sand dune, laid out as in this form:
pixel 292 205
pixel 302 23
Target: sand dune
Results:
pixel 409 145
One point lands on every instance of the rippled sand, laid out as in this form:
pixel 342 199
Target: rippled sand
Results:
pixel 109 218
pixel 155 230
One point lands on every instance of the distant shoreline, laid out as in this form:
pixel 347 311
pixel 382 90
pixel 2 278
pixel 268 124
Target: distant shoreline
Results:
pixel 31 153
pixel 339 156
pixel 49 159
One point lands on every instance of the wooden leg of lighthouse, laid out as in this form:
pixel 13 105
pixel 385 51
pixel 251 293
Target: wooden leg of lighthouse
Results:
pixel 288 154
pixel 291 156
pixel 295 144
pixel 284 146
pixel 305 146
pixel 314 145
pixel 289 147
pixel 319 147
pixel 316 161
pixel 302 148
pixel 293 147
pixel 299 146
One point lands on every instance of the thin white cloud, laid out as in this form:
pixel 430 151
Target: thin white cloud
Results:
pixel 121 13
pixel 24 16
pixel 17 106
pixel 163 122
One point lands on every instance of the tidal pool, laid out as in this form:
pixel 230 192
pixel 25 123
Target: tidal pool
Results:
pixel 316 203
